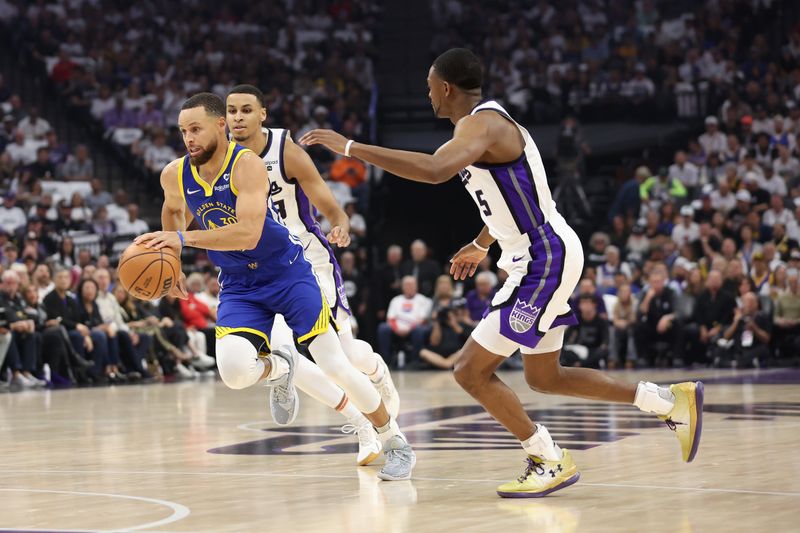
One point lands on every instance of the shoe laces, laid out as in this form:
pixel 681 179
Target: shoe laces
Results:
pixel 671 424
pixel 532 464
pixel 361 429
pixel 401 454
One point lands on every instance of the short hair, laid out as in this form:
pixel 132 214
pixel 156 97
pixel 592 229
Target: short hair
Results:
pixel 212 103
pixel 461 67
pixel 248 89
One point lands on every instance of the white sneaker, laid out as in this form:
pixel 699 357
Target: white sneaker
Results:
pixel 36 382
pixel 22 382
pixel 203 362
pixel 284 402
pixel 369 447
pixel 183 372
pixel 387 390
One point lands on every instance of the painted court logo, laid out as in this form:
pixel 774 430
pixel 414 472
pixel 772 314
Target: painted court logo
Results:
pixel 522 316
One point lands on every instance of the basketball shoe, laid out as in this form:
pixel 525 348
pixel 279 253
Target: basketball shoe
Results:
pixel 686 417
pixel 400 460
pixel 369 447
pixel 542 477
pixel 283 397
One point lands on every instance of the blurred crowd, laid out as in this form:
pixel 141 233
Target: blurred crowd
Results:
pixel 636 59
pixel 128 67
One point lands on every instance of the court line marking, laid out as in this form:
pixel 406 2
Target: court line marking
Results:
pixel 415 478
pixel 179 511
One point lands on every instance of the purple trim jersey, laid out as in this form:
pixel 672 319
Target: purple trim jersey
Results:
pixel 292 207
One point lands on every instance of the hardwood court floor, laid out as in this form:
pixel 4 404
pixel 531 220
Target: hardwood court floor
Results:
pixel 199 457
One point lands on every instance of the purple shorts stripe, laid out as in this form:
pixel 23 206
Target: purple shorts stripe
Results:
pixel 520 317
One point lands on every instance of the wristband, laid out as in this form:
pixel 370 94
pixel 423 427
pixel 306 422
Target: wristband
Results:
pixel 180 236
pixel 347 147
pixel 478 246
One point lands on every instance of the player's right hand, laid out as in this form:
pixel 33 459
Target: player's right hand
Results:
pixel 465 262
pixel 179 289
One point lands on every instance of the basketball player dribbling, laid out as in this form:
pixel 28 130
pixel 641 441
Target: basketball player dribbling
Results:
pixel 263 272
pixel 296 189
pixel 501 168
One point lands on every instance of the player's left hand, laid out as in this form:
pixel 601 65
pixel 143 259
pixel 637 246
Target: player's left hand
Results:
pixel 340 236
pixel 327 138
pixel 465 262
pixel 160 239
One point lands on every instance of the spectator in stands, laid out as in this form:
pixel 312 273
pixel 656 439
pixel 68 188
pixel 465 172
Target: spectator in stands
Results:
pixel 42 280
pixel 207 290
pixel 722 199
pixel 65 223
pixel 65 256
pixel 712 140
pixel 777 213
pixel 43 167
pixel 358 226
pixel 606 273
pixel 657 190
pixel 99 196
pixel 587 343
pixel 480 298
pixel 628 201
pixel 33 126
pixel 79 167
pixel 22 360
pixel 118 211
pixel 119 116
pixel 450 330
pixel 784 244
pixel 133 225
pixel 22 150
pixel 587 287
pixel 657 330
pixel 159 153
pixel 198 318
pixel 100 343
pixel 130 347
pixel 684 171
pixel 713 312
pixel 407 312
pixel 423 269
pixel 786 167
pixel 750 333
pixel 760 273
pixel 688 230
pixel 622 348
pixel 12 217
pixel 787 317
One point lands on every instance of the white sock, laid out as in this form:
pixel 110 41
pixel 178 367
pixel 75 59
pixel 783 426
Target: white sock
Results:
pixel 376 376
pixel 388 431
pixel 279 367
pixel 541 444
pixel 651 398
pixel 350 412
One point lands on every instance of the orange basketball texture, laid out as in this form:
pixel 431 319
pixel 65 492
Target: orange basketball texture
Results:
pixel 148 274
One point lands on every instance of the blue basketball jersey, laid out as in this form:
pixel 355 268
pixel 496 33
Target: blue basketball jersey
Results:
pixel 214 205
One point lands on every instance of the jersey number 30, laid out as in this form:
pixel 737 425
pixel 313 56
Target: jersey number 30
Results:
pixel 483 203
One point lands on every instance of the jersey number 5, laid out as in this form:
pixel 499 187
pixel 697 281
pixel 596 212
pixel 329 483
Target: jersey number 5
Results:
pixel 483 203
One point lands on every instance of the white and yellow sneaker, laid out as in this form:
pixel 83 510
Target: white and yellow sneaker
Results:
pixel 686 417
pixel 542 477
pixel 369 447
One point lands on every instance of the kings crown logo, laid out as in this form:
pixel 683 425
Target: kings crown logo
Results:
pixel 522 316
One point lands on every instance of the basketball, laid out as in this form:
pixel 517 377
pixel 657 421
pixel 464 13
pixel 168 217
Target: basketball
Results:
pixel 148 274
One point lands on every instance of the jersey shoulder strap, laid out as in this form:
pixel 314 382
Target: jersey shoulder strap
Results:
pixel 491 105
pixel 273 151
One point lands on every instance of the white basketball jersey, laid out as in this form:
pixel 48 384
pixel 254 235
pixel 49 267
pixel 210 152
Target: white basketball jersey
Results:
pixel 513 198
pixel 296 211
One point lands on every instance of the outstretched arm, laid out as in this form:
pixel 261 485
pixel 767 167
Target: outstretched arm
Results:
pixel 300 167
pixel 470 141
pixel 465 262
pixel 250 179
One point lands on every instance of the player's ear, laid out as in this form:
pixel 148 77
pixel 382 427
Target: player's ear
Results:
pixel 221 122
pixel 263 114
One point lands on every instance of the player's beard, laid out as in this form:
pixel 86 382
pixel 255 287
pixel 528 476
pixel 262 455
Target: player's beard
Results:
pixel 205 156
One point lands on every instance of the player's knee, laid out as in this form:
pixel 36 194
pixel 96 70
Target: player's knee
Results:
pixel 237 361
pixel 546 381
pixel 467 374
